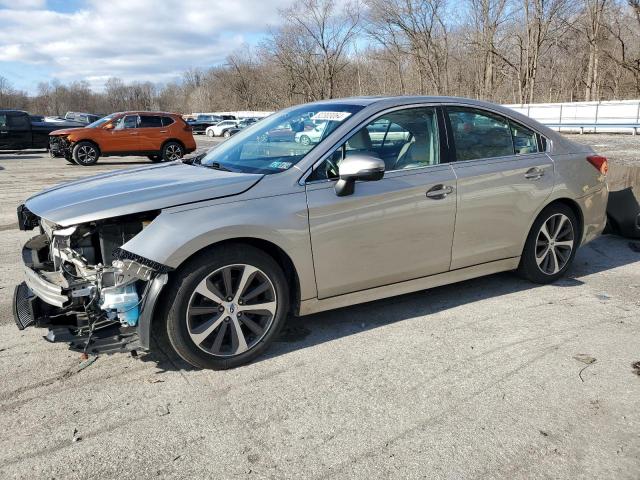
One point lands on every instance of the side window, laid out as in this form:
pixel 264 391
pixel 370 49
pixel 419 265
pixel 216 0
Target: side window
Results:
pixel 19 122
pixel 479 134
pixel 130 121
pixel 403 139
pixel 524 140
pixel 150 121
pixel 3 121
pixel 166 121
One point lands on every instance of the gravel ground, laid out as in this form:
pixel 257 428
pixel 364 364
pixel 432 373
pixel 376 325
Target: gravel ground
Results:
pixel 490 378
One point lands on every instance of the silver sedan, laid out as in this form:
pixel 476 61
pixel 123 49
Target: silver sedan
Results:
pixel 212 253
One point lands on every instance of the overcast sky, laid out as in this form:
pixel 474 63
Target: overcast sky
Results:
pixel 152 40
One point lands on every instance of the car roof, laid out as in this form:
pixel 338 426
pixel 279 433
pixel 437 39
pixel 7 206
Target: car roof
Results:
pixel 143 112
pixel 10 110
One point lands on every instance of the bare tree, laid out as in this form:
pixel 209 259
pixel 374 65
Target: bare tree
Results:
pixel 419 26
pixel 312 45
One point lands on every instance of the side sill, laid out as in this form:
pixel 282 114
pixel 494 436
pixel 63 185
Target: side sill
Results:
pixel 314 305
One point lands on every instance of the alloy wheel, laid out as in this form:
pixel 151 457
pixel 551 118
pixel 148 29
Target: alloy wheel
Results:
pixel 174 152
pixel 86 154
pixel 231 310
pixel 554 244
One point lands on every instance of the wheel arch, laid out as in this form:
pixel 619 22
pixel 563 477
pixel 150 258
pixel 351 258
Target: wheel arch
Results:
pixel 274 251
pixel 87 140
pixel 566 201
pixel 177 140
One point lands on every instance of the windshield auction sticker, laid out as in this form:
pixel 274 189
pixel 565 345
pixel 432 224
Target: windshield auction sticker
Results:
pixel 332 116
pixel 280 165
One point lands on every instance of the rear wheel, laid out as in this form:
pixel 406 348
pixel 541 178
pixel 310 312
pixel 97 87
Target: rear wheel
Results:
pixel 85 154
pixel 551 245
pixel 210 133
pixel 172 151
pixel 227 306
pixel 226 134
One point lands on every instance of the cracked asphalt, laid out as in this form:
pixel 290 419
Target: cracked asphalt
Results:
pixel 490 378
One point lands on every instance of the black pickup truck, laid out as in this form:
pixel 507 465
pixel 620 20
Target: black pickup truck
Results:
pixel 19 131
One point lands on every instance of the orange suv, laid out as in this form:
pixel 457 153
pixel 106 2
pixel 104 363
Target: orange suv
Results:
pixel 159 136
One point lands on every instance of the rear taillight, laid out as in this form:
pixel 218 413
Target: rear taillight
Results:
pixel 601 163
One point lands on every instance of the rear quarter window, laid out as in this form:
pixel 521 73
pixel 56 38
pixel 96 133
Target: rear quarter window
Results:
pixel 166 121
pixel 150 121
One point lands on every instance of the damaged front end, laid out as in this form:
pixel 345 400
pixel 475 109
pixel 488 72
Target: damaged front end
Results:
pixel 60 146
pixel 82 286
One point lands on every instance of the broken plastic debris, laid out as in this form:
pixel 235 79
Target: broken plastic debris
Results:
pixel 162 410
pixel 584 358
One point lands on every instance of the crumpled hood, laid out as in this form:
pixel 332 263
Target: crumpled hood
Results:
pixel 67 131
pixel 137 190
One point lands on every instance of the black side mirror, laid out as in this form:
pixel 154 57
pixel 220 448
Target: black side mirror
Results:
pixel 365 168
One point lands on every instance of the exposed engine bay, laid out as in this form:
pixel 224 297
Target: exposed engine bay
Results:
pixel 60 146
pixel 79 282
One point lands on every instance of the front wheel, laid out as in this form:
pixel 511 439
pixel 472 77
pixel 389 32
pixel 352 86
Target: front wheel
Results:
pixel 226 134
pixel 172 151
pixel 85 154
pixel 305 140
pixel 226 307
pixel 551 245
pixel 210 133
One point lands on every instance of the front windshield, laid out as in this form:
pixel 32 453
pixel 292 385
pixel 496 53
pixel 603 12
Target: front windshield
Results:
pixel 102 121
pixel 280 141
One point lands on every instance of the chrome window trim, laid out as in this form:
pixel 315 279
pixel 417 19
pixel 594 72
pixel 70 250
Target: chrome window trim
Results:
pixel 373 117
pixel 510 118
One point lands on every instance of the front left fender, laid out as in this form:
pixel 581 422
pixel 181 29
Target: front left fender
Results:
pixel 174 236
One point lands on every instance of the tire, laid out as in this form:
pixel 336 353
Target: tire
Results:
pixel 85 154
pixel 305 140
pixel 210 133
pixel 548 253
pixel 214 342
pixel 226 134
pixel 172 151
pixel 155 158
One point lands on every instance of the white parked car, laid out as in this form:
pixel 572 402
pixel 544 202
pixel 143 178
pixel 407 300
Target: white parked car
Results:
pixel 311 136
pixel 219 129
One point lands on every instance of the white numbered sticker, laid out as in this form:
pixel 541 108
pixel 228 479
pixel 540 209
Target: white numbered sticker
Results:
pixel 335 116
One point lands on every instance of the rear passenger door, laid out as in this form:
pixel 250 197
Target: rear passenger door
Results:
pixel 503 179
pixel 151 133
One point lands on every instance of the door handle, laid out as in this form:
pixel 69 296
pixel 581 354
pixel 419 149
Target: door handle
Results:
pixel 439 192
pixel 534 173
pixel 163 131
pixel 133 133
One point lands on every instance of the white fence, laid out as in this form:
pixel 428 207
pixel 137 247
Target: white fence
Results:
pixel 611 116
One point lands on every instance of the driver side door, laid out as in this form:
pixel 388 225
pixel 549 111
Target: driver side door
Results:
pixel 391 230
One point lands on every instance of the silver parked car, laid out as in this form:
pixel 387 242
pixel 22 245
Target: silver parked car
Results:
pixel 211 254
